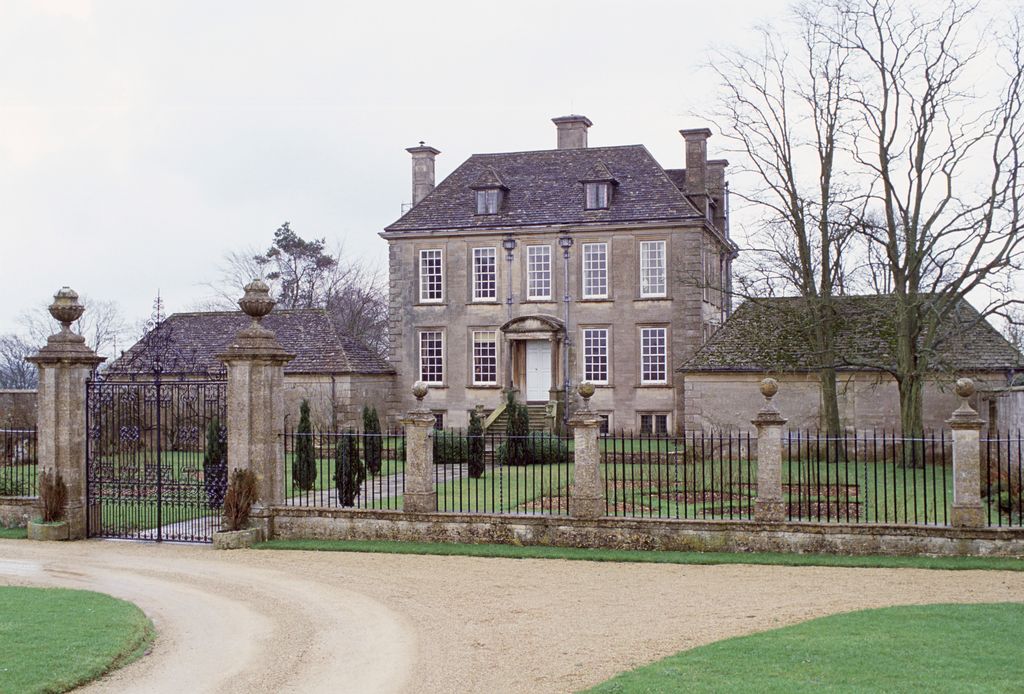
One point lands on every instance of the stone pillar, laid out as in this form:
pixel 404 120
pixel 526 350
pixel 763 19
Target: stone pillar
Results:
pixel 420 493
pixel 769 507
pixel 967 511
pixel 65 364
pixel 587 487
pixel 255 364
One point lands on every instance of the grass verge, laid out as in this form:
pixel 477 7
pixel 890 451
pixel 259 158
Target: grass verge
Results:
pixel 920 648
pixel 13 533
pixel 56 639
pixel 648 557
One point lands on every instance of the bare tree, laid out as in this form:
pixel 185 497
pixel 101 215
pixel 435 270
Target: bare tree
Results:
pixel 308 274
pixel 783 112
pixel 939 161
pixel 103 325
pixel 15 372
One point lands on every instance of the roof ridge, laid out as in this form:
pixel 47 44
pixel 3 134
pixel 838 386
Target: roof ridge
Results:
pixel 554 149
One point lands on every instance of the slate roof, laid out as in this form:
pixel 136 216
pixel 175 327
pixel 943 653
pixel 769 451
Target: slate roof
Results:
pixel 765 335
pixel 189 343
pixel 544 188
pixel 677 176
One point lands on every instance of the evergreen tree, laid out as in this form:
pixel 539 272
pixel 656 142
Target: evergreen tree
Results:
pixel 476 445
pixel 372 442
pixel 215 463
pixel 304 467
pixel 349 471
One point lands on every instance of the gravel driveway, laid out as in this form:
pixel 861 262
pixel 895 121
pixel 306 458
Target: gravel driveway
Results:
pixel 258 621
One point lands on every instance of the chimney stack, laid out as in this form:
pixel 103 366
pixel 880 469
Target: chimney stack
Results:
pixel 718 192
pixel 572 131
pixel 422 171
pixel 697 166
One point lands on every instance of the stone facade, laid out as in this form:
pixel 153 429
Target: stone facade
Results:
pixel 336 401
pixel 697 276
pixel 867 400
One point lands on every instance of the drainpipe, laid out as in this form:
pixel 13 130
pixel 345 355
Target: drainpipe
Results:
pixel 509 244
pixel 565 243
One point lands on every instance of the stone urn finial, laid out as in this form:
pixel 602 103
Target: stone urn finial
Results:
pixel 586 389
pixel 257 302
pixel 964 388
pixel 419 389
pixel 65 308
pixel 769 387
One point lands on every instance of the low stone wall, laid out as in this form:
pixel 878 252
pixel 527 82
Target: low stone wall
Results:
pixel 16 511
pixel 645 534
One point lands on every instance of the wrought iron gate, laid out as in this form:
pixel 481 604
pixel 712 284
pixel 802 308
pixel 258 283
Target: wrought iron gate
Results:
pixel 156 458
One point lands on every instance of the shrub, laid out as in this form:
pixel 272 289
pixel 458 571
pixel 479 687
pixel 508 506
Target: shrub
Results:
pixel 304 466
pixel 349 471
pixel 372 442
pixel 450 448
pixel 476 446
pixel 538 448
pixel 215 463
pixel 54 494
pixel 517 430
pixel 243 492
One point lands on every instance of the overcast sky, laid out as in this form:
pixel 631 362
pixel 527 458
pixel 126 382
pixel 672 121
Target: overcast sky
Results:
pixel 140 141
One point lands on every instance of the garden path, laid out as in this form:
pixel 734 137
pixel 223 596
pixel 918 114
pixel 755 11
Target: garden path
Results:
pixel 262 621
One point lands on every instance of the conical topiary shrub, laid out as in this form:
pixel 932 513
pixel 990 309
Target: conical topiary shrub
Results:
pixel 304 466
pixel 517 431
pixel 372 443
pixel 215 463
pixel 349 471
pixel 476 446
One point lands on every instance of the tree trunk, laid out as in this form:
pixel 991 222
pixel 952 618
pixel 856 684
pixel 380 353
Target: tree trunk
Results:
pixel 911 416
pixel 830 401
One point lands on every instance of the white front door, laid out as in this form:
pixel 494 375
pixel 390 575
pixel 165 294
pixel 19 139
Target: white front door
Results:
pixel 538 370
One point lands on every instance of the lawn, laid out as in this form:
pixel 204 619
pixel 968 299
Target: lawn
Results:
pixel 13 533
pixel 646 556
pixel 18 480
pixel 515 489
pixel 849 491
pixel 56 639
pixel 933 648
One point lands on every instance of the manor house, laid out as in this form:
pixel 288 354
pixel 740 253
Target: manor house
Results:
pixel 534 271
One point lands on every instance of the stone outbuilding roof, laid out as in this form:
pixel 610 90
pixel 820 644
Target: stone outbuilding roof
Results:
pixel 189 343
pixel 544 188
pixel 768 335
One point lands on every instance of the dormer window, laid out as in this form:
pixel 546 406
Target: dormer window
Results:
pixel 490 192
pixel 597 195
pixel 597 188
pixel 488 201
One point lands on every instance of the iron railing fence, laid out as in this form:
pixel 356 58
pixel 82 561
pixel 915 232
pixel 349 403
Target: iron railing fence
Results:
pixel 496 473
pixel 1002 478
pixel 350 468
pixel 868 477
pixel 695 475
pixel 18 462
